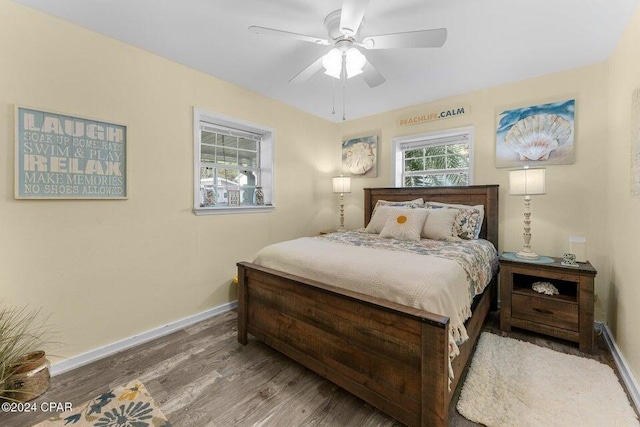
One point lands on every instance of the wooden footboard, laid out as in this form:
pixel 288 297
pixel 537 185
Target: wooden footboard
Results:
pixel 392 356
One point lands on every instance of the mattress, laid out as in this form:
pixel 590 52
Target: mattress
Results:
pixel 436 276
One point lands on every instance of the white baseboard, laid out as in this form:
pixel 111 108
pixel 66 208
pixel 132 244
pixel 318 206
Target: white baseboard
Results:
pixel 102 352
pixel 627 376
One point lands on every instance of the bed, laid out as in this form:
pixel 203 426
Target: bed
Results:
pixel 393 356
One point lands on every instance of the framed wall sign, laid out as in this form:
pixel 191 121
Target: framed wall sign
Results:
pixel 68 157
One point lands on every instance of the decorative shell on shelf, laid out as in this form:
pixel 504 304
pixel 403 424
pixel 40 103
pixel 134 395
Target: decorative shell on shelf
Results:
pixel 545 288
pixel 535 137
pixel 359 158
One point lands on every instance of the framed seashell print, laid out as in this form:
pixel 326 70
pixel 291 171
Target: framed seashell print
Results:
pixel 360 156
pixel 536 135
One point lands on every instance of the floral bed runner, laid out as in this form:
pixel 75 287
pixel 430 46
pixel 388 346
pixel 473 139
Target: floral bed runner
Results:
pixel 129 405
pixel 478 258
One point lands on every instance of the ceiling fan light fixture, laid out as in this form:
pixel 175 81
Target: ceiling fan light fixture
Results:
pixel 332 63
pixel 355 61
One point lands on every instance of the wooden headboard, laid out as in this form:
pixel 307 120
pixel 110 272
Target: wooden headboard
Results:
pixel 486 195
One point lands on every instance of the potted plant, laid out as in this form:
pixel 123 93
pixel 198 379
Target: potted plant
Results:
pixel 24 368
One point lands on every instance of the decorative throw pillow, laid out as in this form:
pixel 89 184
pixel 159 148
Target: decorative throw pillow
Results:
pixel 381 211
pixel 439 224
pixel 469 221
pixel 404 224
pixel 379 219
pixel 416 203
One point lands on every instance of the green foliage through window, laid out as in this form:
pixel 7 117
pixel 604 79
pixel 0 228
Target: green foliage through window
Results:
pixel 436 165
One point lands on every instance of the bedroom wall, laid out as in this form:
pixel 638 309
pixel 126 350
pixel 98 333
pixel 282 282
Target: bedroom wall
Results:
pixel 574 203
pixel 107 270
pixel 624 209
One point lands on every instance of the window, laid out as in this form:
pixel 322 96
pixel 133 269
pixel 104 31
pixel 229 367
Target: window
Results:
pixel 233 165
pixel 434 159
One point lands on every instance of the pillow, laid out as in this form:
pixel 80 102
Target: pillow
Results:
pixel 469 221
pixel 416 203
pixel 439 224
pixel 404 224
pixel 379 219
pixel 382 211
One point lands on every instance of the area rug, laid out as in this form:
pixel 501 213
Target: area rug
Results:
pixel 514 383
pixel 130 405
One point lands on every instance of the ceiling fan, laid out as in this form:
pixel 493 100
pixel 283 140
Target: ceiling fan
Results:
pixel 345 59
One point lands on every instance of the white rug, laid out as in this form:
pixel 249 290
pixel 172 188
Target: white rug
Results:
pixel 513 383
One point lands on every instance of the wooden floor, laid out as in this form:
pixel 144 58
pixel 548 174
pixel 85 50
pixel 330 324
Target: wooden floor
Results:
pixel 201 376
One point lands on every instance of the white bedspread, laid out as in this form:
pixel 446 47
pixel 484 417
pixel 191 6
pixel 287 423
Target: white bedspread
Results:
pixel 425 280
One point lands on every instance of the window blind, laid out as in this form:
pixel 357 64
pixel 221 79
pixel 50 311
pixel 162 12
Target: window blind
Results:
pixel 208 127
pixel 447 140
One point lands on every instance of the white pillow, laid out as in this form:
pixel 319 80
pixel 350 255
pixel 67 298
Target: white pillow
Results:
pixel 382 211
pixel 404 224
pixel 439 224
pixel 379 219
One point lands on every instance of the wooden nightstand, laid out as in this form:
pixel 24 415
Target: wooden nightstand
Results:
pixel 568 315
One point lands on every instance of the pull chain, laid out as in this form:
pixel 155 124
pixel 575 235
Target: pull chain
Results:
pixel 344 86
pixel 333 102
pixel 344 97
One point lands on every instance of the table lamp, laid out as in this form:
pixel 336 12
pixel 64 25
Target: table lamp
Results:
pixel 527 182
pixel 341 184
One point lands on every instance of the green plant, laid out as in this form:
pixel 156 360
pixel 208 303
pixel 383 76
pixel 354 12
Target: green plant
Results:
pixel 22 331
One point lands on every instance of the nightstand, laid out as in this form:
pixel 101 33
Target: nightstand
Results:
pixel 568 315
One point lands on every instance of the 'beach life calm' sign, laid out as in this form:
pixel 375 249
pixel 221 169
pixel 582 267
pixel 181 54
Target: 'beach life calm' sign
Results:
pixel 65 157
pixel 437 114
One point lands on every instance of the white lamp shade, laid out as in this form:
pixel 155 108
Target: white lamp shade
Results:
pixel 354 61
pixel 332 63
pixel 342 184
pixel 526 182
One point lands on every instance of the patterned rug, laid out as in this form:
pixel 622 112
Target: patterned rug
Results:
pixel 513 383
pixel 129 405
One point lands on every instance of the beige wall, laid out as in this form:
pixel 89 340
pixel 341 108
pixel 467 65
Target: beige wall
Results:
pixel 107 270
pixel 574 203
pixel 624 209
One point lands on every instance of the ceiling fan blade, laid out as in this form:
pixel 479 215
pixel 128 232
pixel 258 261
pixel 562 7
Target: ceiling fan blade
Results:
pixel 371 75
pixel 287 34
pixel 411 39
pixel 351 16
pixel 308 72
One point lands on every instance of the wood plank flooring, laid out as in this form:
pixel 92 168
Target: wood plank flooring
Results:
pixel 200 376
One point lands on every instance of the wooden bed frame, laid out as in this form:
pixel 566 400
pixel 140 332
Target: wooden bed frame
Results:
pixel 392 356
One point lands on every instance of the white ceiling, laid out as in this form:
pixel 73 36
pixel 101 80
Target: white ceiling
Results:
pixel 490 42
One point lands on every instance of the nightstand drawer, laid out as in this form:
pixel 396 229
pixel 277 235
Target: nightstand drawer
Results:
pixel 560 314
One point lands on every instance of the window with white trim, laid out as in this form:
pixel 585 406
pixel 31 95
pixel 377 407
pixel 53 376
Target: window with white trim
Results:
pixel 233 165
pixel 435 159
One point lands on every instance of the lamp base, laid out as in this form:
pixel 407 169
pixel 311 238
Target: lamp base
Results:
pixel 527 255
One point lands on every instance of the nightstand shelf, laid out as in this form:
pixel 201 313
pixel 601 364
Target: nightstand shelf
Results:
pixel 568 315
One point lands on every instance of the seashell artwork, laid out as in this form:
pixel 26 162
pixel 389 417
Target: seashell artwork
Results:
pixel 536 135
pixel 359 156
